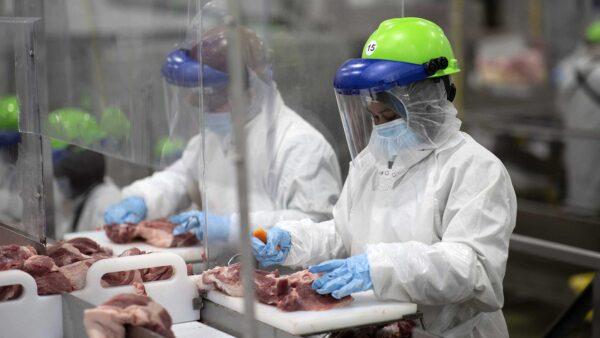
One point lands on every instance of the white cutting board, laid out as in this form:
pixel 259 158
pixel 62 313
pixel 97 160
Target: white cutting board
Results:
pixel 189 253
pixel 30 315
pixel 197 329
pixel 365 309
pixel 175 294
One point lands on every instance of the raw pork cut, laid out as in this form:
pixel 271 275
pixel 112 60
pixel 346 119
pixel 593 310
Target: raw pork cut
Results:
pixel 156 232
pixel 300 295
pixel 12 257
pixel 400 329
pixel 289 293
pixel 109 319
pixel 65 269
pixel 75 250
pixel 49 279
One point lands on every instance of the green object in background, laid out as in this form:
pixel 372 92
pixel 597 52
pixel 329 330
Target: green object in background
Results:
pixel 72 125
pixel 9 113
pixel 115 123
pixel 410 40
pixel 168 147
pixel 592 32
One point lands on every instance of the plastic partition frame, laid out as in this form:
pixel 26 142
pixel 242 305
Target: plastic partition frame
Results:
pixel 234 59
pixel 35 161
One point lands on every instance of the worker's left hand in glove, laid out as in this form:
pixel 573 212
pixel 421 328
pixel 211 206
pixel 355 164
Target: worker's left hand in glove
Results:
pixel 342 277
pixel 275 250
pixel 218 226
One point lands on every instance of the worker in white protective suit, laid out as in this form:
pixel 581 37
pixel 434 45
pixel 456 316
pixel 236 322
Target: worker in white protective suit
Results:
pixel 578 80
pixel 292 170
pixel 426 213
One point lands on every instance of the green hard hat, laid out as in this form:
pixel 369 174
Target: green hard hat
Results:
pixel 166 147
pixel 592 32
pixel 115 123
pixel 9 113
pixel 72 125
pixel 411 40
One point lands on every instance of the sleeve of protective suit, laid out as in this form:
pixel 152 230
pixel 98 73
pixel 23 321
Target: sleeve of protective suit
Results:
pixel 166 191
pixel 313 243
pixel 468 264
pixel 305 181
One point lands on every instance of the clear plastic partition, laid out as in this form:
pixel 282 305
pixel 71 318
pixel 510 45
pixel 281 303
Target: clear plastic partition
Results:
pixel 25 191
pixel 296 153
pixel 107 90
pixel 11 204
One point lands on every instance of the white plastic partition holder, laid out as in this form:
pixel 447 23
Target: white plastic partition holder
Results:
pixel 30 315
pixel 175 294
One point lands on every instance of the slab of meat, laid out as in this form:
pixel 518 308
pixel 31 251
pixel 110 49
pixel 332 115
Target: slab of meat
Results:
pixel 300 295
pixel 156 232
pixel 89 247
pixel 12 257
pixel 76 272
pixel 75 250
pixel 289 293
pixel 65 269
pixel 47 276
pixel 109 319
pixel 400 329
pixel 121 233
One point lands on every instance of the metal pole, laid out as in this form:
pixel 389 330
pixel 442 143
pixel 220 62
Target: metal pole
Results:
pixel 457 9
pixel 236 88
pixel 402 8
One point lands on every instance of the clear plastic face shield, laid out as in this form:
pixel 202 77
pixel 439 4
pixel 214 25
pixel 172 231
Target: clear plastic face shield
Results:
pixel 422 117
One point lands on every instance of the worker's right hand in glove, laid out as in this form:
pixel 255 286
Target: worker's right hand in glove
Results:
pixel 275 251
pixel 193 220
pixel 129 210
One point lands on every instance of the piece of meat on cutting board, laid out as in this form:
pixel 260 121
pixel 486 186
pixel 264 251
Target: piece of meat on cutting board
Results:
pixel 109 319
pixel 288 293
pixel 157 232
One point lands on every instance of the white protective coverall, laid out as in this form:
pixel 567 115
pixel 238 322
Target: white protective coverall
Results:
pixel 579 102
pixel 97 200
pixel 436 230
pixel 301 179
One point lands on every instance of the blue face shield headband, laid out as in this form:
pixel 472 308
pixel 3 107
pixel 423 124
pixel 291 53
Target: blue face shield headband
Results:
pixel 181 69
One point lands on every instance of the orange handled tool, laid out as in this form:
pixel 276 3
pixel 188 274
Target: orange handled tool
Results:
pixel 261 234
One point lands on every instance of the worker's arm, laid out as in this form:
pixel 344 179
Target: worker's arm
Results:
pixel 469 262
pixel 313 243
pixel 166 191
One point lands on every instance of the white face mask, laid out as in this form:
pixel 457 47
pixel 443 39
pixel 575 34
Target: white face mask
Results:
pixel 390 138
pixel 219 123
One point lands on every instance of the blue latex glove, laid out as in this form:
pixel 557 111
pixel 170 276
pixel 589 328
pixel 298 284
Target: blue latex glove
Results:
pixel 275 251
pixel 341 277
pixel 129 210
pixel 193 220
